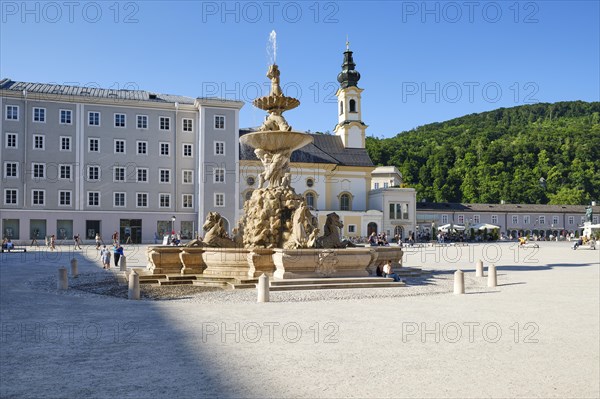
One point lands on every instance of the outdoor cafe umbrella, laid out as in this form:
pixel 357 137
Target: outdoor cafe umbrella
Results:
pixel 483 226
pixel 450 226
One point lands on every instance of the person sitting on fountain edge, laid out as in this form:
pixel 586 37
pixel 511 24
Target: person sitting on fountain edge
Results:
pixel 387 271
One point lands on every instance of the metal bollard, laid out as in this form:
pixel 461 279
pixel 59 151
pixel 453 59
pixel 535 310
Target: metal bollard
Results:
pixel 134 286
pixel 123 264
pixel 74 271
pixel 479 268
pixel 63 281
pixel 263 288
pixel 459 282
pixel 492 278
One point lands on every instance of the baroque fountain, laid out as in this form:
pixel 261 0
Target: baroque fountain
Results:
pixel 278 234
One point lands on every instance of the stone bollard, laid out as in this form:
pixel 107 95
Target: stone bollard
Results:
pixel 479 268
pixel 459 282
pixel 63 281
pixel 492 279
pixel 263 288
pixel 123 263
pixel 134 285
pixel 74 271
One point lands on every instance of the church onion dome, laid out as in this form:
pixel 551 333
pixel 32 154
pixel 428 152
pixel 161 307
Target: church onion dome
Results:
pixel 349 76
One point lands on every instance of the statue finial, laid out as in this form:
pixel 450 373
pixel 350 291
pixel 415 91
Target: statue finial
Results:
pixel 347 43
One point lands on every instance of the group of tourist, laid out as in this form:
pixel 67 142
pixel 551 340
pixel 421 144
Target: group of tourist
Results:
pixel 105 255
pixel 380 240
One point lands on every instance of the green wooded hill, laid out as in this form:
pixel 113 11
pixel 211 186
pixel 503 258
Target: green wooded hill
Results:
pixel 501 155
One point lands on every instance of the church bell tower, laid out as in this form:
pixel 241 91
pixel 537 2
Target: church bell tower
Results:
pixel 350 126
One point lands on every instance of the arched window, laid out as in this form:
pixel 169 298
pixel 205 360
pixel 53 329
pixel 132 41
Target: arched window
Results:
pixel 345 202
pixel 371 228
pixel 352 106
pixel 310 200
pixel 341 107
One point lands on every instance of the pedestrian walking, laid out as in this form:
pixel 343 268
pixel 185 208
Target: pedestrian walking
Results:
pixel 77 241
pixel 105 257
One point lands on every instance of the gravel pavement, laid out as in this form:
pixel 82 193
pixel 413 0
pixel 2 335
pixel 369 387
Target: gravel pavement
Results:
pixel 535 335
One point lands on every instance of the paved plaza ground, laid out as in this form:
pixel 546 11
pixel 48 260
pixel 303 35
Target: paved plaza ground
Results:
pixel 535 335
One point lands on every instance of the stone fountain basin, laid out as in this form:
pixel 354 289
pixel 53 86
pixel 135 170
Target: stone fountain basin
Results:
pixel 275 141
pixel 243 263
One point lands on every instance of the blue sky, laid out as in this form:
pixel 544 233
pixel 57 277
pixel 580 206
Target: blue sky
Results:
pixel 420 62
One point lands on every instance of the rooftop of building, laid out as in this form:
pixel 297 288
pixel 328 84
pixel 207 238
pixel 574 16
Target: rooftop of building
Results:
pixel 513 208
pixel 92 91
pixel 325 148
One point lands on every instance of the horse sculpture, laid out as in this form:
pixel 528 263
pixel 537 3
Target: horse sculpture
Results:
pixel 216 235
pixel 331 236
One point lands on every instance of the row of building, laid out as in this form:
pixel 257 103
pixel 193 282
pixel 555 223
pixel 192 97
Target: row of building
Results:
pixel 79 160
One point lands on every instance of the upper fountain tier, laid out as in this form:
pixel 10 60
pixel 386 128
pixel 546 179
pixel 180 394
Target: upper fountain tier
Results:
pixel 276 135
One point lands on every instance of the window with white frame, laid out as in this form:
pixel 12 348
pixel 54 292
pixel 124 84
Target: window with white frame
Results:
pixel 65 172
pixel 142 147
pixel 444 219
pixel 38 197
pixel 119 199
pixel 65 143
pixel 164 175
pixel 93 145
pixel 165 149
pixel 119 174
pixel 219 199
pixel 65 117
pixel 142 122
pixel 310 200
pixel 351 228
pixel 405 215
pixel 188 125
pixel 93 173
pixel 39 142
pixel 187 201
pixel 39 115
pixel 218 175
pixel 93 118
pixel 219 148
pixel 571 220
pixel 11 196
pixel 385 185
pixel 10 140
pixel 11 169
pixel 164 123
pixel 595 220
pixel 376 186
pixel 460 219
pixel 12 113
pixel 142 175
pixel 187 150
pixel 187 176
pixel 515 220
pixel 526 219
pixel 38 170
pixel 164 200
pixel 395 209
pixel 64 198
pixel 476 219
pixel 555 220
pixel 219 122
pixel 582 219
pixel 142 200
pixel 542 220
pixel 93 198
pixel 119 146
pixel 345 202
pixel 495 219
pixel 120 120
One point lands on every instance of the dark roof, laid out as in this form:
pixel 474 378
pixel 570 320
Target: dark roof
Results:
pixel 514 208
pixel 325 148
pixel 97 92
